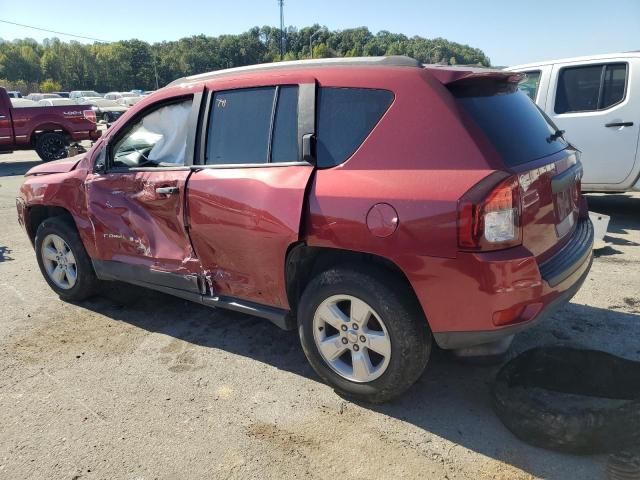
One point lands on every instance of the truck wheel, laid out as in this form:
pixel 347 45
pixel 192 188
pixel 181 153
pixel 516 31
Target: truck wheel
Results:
pixel 362 334
pixel 63 261
pixel 51 146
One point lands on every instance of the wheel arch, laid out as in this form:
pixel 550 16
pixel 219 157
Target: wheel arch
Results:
pixel 303 263
pixel 48 128
pixel 36 214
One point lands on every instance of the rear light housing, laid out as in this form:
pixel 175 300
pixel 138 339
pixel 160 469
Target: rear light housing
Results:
pixel 489 215
pixel 90 115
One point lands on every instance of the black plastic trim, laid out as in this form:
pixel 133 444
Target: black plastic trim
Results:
pixel 188 287
pixel 559 267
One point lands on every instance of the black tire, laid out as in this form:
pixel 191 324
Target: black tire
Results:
pixel 624 465
pixel 86 283
pixel 571 400
pixel 106 117
pixel 51 146
pixel 407 328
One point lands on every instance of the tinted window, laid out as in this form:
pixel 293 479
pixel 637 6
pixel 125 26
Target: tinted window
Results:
pixel 345 117
pixel 285 128
pixel 514 125
pixel 589 88
pixel 239 126
pixel 613 87
pixel 529 85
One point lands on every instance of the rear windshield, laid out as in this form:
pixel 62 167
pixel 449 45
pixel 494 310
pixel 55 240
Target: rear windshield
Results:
pixel 515 126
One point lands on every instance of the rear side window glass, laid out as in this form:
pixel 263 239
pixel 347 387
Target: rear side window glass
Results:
pixel 239 126
pixel 590 88
pixel 514 125
pixel 285 128
pixel 614 85
pixel 529 85
pixel 345 117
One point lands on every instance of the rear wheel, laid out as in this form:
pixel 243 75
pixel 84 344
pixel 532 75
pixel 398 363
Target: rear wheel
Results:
pixel 363 334
pixel 63 261
pixel 51 146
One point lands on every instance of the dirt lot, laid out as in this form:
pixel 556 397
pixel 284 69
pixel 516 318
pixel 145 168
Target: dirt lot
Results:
pixel 138 385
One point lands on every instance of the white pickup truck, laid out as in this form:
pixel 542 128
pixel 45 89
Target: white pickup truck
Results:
pixel 596 100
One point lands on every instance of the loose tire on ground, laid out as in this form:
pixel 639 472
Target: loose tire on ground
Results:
pixel 79 281
pixel 408 335
pixel 51 146
pixel 571 400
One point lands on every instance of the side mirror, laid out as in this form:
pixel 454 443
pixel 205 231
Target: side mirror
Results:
pixel 100 164
pixel 309 148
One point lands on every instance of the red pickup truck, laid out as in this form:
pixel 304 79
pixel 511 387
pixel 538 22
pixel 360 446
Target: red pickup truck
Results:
pixel 48 130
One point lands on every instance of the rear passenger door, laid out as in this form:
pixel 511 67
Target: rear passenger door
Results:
pixel 245 202
pixel 596 103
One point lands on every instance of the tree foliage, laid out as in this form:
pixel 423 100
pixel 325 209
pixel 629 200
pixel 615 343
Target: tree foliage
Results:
pixel 128 64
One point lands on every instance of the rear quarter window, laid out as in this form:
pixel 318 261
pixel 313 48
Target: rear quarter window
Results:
pixel 346 116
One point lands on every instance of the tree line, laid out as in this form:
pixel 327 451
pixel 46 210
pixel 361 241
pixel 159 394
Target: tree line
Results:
pixel 29 66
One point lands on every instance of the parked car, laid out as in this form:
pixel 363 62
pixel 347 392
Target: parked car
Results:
pixel 51 102
pixel 48 130
pixel 14 94
pixel 84 94
pixel 107 110
pixel 63 94
pixel 22 102
pixel 36 97
pixel 374 204
pixel 596 100
pixel 128 101
pixel 118 95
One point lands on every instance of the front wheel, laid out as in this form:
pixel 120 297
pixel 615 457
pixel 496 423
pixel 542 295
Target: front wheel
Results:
pixel 51 146
pixel 363 334
pixel 63 261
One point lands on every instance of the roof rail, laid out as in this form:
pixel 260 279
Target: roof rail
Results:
pixel 389 61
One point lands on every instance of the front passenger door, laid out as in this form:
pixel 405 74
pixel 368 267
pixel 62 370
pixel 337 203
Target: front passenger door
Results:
pixel 136 200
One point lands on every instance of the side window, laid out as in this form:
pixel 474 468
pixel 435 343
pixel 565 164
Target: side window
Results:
pixel 345 117
pixel 614 86
pixel 590 88
pixel 253 126
pixel 159 139
pixel 530 83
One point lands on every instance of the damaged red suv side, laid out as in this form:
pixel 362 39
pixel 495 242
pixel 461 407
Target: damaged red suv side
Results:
pixel 375 204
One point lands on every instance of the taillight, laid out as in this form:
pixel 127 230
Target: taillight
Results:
pixel 490 221
pixel 90 115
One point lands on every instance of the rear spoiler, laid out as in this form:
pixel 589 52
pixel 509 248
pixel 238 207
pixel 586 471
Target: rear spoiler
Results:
pixel 477 82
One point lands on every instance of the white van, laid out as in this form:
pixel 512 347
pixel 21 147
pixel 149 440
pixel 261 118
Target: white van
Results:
pixel 596 100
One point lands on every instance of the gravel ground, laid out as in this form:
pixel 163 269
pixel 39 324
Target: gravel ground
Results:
pixel 138 385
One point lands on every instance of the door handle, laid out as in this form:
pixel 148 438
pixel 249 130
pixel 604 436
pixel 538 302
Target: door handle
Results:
pixel 3 117
pixel 619 124
pixel 167 190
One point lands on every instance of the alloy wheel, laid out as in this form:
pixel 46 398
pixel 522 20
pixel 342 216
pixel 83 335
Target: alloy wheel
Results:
pixel 352 338
pixel 59 262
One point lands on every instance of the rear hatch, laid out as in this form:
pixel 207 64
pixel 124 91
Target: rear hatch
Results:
pixel 530 147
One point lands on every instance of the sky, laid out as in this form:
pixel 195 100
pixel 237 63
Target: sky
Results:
pixel 509 33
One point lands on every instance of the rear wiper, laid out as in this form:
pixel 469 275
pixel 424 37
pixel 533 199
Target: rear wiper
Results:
pixel 555 136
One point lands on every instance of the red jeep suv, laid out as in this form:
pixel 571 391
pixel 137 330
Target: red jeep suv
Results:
pixel 376 204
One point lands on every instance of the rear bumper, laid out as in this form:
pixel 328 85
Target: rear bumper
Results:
pixel 462 297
